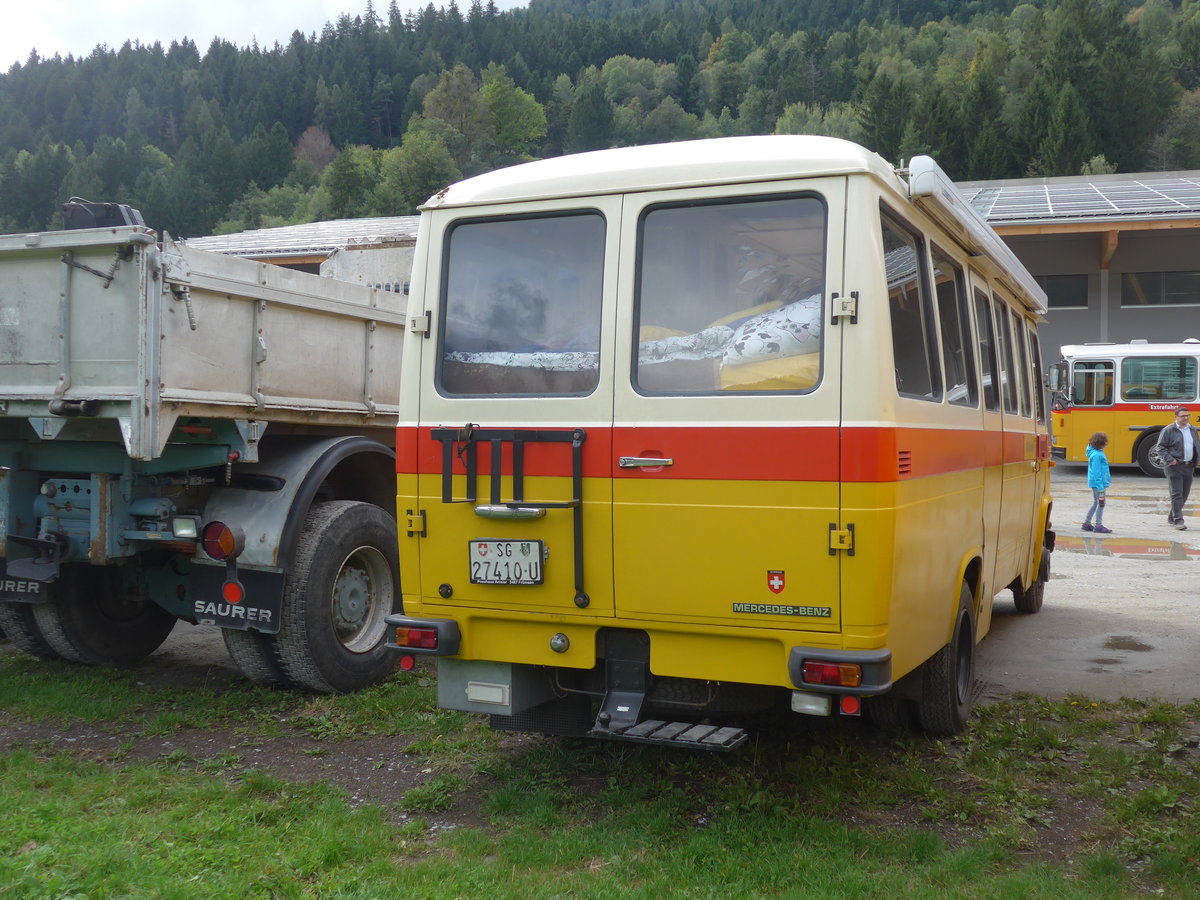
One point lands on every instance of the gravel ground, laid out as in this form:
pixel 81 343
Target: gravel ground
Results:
pixel 1122 610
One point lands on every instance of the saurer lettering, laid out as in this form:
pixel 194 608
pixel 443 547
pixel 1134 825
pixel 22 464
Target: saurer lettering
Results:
pixel 231 611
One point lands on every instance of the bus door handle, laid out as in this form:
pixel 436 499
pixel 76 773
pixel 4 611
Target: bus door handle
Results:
pixel 644 462
pixel 510 512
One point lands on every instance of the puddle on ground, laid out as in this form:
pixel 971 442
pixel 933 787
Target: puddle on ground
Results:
pixel 1125 642
pixel 1125 548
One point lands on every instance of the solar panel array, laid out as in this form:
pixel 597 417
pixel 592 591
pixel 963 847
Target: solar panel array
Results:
pixel 1137 197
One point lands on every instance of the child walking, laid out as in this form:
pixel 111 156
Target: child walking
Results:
pixel 1098 481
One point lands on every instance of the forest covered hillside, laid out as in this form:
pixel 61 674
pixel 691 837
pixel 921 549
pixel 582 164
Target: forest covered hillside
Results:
pixel 380 110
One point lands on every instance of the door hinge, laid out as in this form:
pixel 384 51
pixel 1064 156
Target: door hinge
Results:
pixel 415 523
pixel 844 306
pixel 841 539
pixel 422 324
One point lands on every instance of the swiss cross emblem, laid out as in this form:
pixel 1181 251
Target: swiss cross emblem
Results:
pixel 481 549
pixel 775 580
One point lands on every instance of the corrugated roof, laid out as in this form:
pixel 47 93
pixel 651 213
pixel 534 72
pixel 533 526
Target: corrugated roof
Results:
pixel 313 238
pixel 1086 198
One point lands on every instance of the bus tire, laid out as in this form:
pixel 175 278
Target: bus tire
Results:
pixel 254 655
pixel 20 627
pixel 1029 601
pixel 342 584
pixel 108 622
pixel 947 677
pixel 1147 456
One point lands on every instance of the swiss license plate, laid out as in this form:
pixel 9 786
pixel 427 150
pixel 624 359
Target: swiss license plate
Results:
pixel 506 562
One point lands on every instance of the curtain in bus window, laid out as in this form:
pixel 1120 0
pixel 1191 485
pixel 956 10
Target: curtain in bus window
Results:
pixel 1158 378
pixel 1092 383
pixel 1021 354
pixel 959 362
pixel 522 306
pixel 987 351
pixel 1039 382
pixel 730 296
pixel 1004 353
pixel 917 374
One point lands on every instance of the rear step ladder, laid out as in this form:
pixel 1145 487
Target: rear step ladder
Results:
pixel 677 734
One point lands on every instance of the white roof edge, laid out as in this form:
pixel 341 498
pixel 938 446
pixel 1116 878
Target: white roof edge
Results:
pixel 658 167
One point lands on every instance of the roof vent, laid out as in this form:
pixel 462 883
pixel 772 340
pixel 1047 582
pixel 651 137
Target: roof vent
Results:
pixel 1191 340
pixel 1139 341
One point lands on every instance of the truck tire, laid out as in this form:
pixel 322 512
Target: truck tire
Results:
pixel 254 654
pixel 103 620
pixel 18 624
pixel 342 584
pixel 947 677
pixel 1147 456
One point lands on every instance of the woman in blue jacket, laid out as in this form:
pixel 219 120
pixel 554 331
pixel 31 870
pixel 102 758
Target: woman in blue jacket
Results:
pixel 1098 481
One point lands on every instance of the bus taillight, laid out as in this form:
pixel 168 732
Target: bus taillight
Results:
pixel 837 674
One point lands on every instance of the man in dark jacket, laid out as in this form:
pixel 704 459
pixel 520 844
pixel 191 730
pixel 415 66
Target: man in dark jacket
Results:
pixel 1179 449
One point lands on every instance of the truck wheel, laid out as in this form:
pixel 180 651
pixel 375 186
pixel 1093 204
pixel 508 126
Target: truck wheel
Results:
pixel 1147 456
pixel 342 584
pixel 1029 601
pixel 18 624
pixel 890 713
pixel 105 624
pixel 947 677
pixel 254 655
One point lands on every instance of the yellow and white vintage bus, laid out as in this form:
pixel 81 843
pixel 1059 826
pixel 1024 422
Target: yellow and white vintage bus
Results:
pixel 696 430
pixel 1128 391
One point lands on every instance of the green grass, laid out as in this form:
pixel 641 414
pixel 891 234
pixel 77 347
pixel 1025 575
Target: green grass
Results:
pixel 828 809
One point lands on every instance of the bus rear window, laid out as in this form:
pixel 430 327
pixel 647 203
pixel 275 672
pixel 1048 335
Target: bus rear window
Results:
pixel 522 306
pixel 729 296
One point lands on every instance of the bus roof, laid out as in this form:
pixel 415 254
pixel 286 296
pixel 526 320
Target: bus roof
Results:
pixel 1189 347
pixel 656 167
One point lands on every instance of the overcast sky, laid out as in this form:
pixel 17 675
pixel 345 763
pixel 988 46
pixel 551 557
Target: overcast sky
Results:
pixel 77 26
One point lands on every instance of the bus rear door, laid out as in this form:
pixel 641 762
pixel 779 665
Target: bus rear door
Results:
pixel 727 418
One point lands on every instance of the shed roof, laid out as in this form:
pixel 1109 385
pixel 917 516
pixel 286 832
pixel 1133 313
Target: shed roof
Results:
pixel 313 238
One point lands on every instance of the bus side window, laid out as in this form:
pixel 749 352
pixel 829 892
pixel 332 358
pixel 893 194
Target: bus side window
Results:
pixel 917 373
pixel 961 386
pixel 987 352
pixel 1158 378
pixel 1092 384
pixel 1004 352
pixel 1022 354
pixel 1039 390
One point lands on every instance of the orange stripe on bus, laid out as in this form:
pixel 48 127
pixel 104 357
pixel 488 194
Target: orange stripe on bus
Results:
pixel 802 453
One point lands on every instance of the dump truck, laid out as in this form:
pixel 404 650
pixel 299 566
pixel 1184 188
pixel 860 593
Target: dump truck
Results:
pixel 190 436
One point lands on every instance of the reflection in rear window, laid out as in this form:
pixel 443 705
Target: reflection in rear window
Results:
pixel 522 306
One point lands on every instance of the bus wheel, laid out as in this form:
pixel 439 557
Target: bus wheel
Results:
pixel 1147 456
pixel 111 623
pixel 343 583
pixel 19 626
pixel 254 655
pixel 947 678
pixel 1029 601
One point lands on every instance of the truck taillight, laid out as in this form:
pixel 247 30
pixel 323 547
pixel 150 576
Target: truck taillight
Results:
pixel 221 541
pixel 422 638
pixel 838 674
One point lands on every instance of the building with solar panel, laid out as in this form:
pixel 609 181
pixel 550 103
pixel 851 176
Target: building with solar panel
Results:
pixel 1118 255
